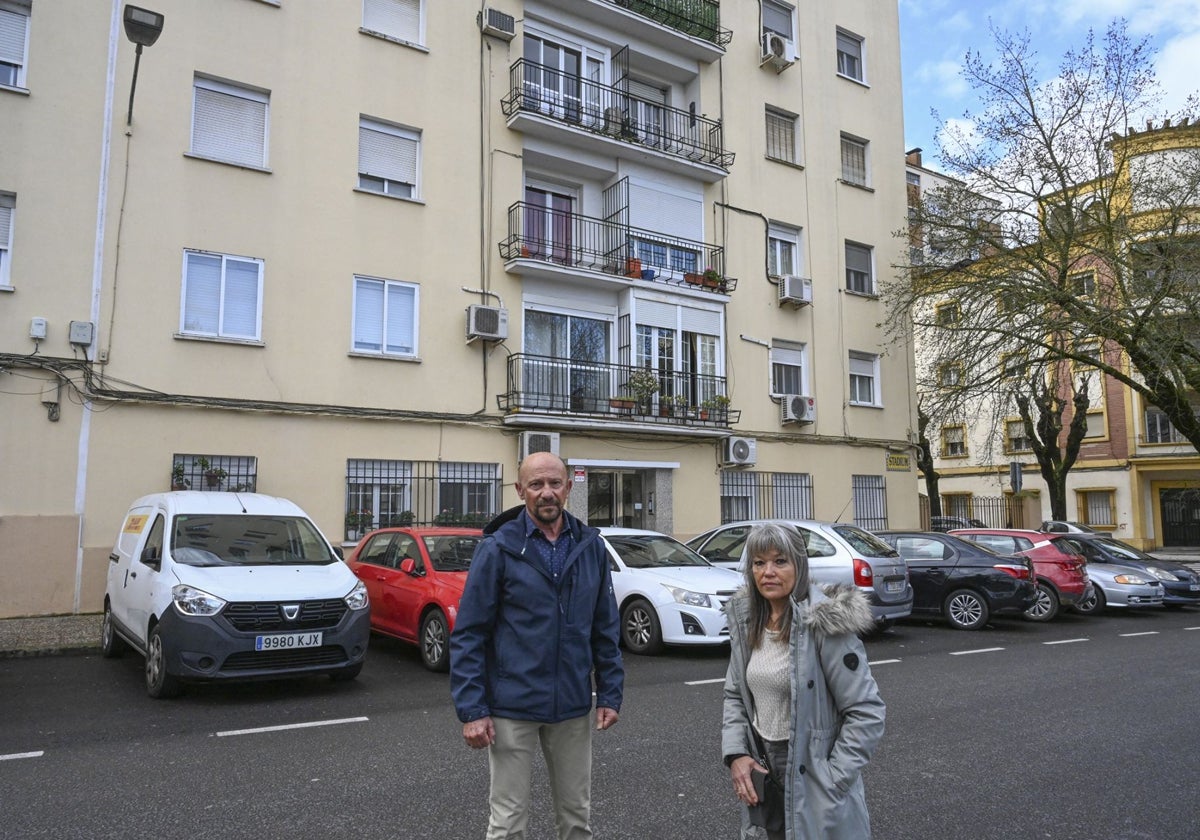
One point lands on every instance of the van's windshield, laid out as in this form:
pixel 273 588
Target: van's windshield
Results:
pixel 247 540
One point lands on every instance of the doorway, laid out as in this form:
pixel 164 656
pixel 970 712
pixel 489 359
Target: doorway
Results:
pixel 616 498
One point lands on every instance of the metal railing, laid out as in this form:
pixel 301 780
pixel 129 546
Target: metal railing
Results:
pixel 604 109
pixel 551 385
pixel 699 18
pixel 565 238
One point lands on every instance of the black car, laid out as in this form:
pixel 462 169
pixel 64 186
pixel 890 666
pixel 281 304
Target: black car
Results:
pixel 963 581
pixel 1181 585
pixel 949 523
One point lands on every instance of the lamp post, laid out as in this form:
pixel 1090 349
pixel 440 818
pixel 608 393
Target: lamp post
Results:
pixel 142 27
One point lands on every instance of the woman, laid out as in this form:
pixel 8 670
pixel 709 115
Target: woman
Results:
pixel 799 690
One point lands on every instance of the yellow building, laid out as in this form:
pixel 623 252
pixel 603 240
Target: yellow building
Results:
pixel 365 255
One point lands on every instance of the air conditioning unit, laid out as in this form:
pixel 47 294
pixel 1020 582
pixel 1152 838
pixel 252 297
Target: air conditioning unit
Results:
pixel 487 322
pixel 795 290
pixel 797 408
pixel 497 24
pixel 777 51
pixel 532 442
pixel 739 452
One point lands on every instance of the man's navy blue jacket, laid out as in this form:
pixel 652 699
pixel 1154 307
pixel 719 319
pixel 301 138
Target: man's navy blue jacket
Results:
pixel 525 649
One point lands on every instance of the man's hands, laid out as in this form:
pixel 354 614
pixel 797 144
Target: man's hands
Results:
pixel 605 717
pixel 479 733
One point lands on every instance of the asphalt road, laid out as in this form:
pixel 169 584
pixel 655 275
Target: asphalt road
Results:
pixel 1081 728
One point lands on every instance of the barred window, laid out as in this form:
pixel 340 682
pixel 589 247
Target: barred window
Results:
pixel 758 495
pixel 781 136
pixel 854 160
pixel 870 502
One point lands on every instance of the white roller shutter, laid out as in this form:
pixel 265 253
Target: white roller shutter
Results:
pixel 665 212
pixel 400 19
pixel 384 152
pixel 229 124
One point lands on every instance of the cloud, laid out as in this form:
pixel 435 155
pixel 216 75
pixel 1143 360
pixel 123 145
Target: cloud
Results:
pixel 943 76
pixel 956 134
pixel 1177 68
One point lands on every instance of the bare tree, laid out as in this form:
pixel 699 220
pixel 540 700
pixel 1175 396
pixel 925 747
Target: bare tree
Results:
pixel 1055 452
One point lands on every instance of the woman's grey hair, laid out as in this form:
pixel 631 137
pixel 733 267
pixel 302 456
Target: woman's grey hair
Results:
pixel 765 537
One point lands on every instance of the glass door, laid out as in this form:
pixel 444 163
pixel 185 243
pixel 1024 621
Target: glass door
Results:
pixel 616 498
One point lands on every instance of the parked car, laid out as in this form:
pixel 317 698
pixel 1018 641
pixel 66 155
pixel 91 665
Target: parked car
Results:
pixel 1062 526
pixel 1180 584
pixel 415 577
pixel 223 586
pixel 1119 586
pixel 1061 569
pixel 667 594
pixel 947 523
pixel 837 553
pixel 962 581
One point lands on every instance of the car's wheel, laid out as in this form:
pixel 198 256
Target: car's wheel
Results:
pixel 111 645
pixel 1045 606
pixel 1092 604
pixel 159 684
pixel 347 674
pixel 639 628
pixel 966 610
pixel 435 642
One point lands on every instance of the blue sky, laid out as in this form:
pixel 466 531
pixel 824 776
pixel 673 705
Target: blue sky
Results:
pixel 935 34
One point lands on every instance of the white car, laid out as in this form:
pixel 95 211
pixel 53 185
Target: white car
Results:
pixel 220 586
pixel 667 593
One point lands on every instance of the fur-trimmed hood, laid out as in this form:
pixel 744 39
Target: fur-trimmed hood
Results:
pixel 829 610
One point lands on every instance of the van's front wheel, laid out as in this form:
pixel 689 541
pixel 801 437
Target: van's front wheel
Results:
pixel 159 684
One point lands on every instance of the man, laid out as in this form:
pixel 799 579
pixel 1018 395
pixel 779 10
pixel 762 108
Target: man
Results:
pixel 537 618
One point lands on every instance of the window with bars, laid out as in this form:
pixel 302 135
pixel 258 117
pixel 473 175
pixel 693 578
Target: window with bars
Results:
pixel 397 19
pixel 212 473
pixel 230 122
pixel 870 502
pixel 388 158
pixel 222 296
pixel 390 493
pixel 854 160
pixel 860 273
pixel 849 55
pixel 954 442
pixel 781 136
pixel 765 495
pixel 14 42
pixel 864 378
pixel 8 209
pixel 385 317
pixel 1097 507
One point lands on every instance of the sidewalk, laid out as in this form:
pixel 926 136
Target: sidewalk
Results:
pixel 53 634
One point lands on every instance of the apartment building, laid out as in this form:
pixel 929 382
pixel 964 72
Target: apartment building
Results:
pixel 365 255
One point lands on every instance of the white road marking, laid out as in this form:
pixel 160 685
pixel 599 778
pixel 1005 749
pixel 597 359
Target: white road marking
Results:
pixel 883 661
pixel 969 652
pixel 11 756
pixel 1066 641
pixel 1191 628
pixel 705 682
pixel 291 726
pixel 1144 633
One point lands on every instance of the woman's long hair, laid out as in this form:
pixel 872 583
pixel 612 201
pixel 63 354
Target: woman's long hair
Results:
pixel 765 537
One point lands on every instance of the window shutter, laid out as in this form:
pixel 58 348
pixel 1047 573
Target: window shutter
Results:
pixel 12 37
pixel 777 18
pixel 666 212
pixel 781 137
pixel 240 313
pixel 6 213
pixel 653 314
pixel 650 93
pixel 702 321
pixel 368 315
pixel 400 318
pixel 858 258
pixel 202 295
pixel 382 154
pixel 398 18
pixel 229 127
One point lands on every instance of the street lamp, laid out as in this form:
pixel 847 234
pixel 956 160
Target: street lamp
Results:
pixel 143 27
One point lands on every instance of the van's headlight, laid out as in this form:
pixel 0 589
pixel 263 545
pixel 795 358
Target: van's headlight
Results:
pixel 357 599
pixel 685 596
pixel 191 601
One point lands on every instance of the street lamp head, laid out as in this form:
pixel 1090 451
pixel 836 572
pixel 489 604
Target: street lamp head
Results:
pixel 142 26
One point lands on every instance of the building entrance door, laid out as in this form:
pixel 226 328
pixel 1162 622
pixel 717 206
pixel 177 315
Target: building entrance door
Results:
pixel 616 498
pixel 1180 516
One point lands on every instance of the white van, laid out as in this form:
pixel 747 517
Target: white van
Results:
pixel 214 586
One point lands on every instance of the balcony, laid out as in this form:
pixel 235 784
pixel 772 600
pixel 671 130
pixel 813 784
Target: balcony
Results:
pixel 553 105
pixel 557 238
pixel 691 28
pixel 550 391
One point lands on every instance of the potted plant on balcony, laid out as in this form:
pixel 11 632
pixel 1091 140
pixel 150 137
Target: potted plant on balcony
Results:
pixel 715 407
pixel 179 481
pixel 358 522
pixel 643 384
pixel 711 278
pixel 679 406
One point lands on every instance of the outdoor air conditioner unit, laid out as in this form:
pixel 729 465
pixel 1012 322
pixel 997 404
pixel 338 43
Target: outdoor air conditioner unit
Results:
pixel 797 408
pixel 487 322
pixel 497 24
pixel 532 442
pixel 795 290
pixel 777 51
pixel 739 452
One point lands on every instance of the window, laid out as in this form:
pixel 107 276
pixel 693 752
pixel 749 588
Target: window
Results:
pixel 467 493
pixel 229 123
pixel 870 502
pixel 788 368
pixel 859 271
pixel 913 178
pixel 1013 365
pixel 849 55
pixel 565 364
pixel 1097 507
pixel 950 374
pixel 781 136
pixel 388 158
pixel 222 296
pixel 1159 428
pixel 1015 439
pixel 1096 425
pixel 778 18
pixel 238 473
pixel 397 19
pixel 754 495
pixel 385 317
pixel 864 373
pixel 1083 284
pixel 14 42
pixel 783 250
pixel 8 205
pixel 947 314
pixel 954 441
pixel 378 495
pixel 387 494
pixel 854 160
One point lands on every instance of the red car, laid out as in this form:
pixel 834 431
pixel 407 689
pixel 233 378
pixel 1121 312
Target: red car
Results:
pixel 415 577
pixel 1061 572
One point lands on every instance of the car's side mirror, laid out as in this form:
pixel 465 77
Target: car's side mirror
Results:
pixel 408 566
pixel 152 556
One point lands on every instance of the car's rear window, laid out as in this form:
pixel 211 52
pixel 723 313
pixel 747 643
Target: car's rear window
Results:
pixel 863 542
pixel 247 540
pixel 452 553
pixel 645 552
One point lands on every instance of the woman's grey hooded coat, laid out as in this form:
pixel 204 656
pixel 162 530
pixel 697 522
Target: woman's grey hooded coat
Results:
pixel 837 718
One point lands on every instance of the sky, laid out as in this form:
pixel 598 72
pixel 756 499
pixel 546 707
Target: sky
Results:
pixel 936 34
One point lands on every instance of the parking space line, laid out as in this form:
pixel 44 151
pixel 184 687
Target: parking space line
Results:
pixel 291 726
pixel 882 661
pixel 969 652
pixel 11 756
pixel 705 682
pixel 1191 628
pixel 1066 641
pixel 1143 633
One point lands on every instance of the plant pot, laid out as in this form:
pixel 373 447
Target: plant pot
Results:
pixel 710 282
pixel 693 278
pixel 633 267
pixel 212 479
pixel 621 404
pixel 649 273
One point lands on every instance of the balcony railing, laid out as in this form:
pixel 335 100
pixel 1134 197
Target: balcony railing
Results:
pixel 699 18
pixel 603 109
pixel 550 385
pixel 564 238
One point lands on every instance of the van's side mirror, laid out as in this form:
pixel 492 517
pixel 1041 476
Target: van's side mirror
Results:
pixel 152 556
pixel 337 549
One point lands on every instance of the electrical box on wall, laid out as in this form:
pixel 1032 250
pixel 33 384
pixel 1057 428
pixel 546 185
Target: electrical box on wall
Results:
pixel 81 333
pixel 37 329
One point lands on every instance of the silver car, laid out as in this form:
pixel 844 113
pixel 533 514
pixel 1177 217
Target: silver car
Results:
pixel 837 553
pixel 1119 586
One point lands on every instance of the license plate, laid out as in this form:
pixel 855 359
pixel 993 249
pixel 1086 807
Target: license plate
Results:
pixel 287 641
pixel 1195 587
pixel 893 586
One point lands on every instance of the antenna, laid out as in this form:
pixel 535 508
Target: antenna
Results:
pixel 839 516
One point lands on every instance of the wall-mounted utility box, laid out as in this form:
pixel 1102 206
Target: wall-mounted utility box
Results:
pixel 81 333
pixel 37 329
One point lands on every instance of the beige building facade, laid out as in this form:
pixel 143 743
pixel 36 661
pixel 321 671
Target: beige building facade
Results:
pixel 364 255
